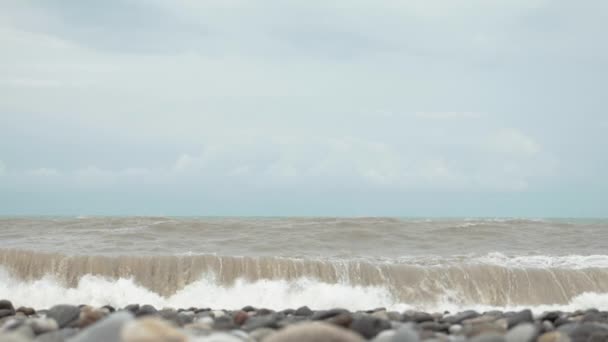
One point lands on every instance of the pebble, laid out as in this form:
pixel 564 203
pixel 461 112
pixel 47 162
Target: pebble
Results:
pixel 406 333
pixel 489 338
pixel 554 336
pixel 369 326
pixel 459 317
pixel 146 310
pixel 314 332
pixel 21 334
pixel 64 314
pixel 56 336
pixel 525 332
pixel 42 325
pixel 215 337
pixel 240 317
pixel 261 334
pixel 151 329
pixel 107 329
pixel 135 323
pixel 325 314
pixel 384 336
pixel 303 311
pixel 524 316
pixel 26 311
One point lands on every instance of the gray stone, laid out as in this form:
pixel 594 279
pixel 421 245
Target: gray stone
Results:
pixel 224 323
pixel 184 318
pixel 369 326
pixel 554 336
pixel 151 329
pixel 406 333
pixel 64 314
pixel 325 314
pixel 461 316
pixel 56 336
pixel 261 334
pixel 384 336
pixel 551 316
pixel 525 332
pixel 314 332
pixel 132 307
pixel 455 329
pixel 488 338
pixel 21 334
pixel 146 310
pixel 42 325
pixel 216 337
pixel 548 326
pixel 524 316
pixel 107 329
pixel 6 304
pixel 255 322
pixel 590 332
pixel 6 313
pixel 418 317
pixel 434 326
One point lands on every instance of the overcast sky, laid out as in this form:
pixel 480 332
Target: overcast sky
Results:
pixel 233 107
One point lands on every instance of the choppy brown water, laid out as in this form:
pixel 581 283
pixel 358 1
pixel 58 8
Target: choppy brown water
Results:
pixel 418 262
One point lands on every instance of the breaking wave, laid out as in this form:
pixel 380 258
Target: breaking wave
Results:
pixel 489 281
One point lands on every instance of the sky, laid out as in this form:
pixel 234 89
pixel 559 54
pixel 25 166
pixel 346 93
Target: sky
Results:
pixel 304 108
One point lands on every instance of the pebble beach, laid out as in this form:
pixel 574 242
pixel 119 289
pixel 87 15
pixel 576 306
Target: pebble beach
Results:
pixel 145 323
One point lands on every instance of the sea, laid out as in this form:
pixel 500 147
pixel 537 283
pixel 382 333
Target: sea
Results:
pixel 362 263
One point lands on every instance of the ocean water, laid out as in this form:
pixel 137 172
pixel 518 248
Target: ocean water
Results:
pixel 278 263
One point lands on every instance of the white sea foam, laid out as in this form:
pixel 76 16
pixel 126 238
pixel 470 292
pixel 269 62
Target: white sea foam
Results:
pixel 274 294
pixel 575 262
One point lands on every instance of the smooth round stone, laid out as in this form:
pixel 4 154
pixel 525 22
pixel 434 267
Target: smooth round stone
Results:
pixel 369 326
pixel 303 311
pixel 215 337
pixel 524 316
pixel 240 317
pixel 314 332
pixel 21 334
pixel 26 310
pixel 219 313
pixel 6 304
pixel 548 326
pixel 525 332
pixel 406 333
pixel 261 334
pixel 381 314
pixel 56 336
pixel 6 313
pixel 455 329
pixel 590 332
pixel 384 336
pixel 488 338
pixel 554 336
pixel 89 315
pixel 146 310
pixel 461 316
pixel 64 314
pixel 151 329
pixel 107 329
pixel 42 325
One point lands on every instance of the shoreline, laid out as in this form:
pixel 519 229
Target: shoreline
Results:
pixel 141 322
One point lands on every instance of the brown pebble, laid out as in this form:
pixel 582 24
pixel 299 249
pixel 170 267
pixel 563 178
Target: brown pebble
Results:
pixel 343 320
pixel 240 317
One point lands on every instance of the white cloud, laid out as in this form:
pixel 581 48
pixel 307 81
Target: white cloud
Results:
pixel 43 172
pixel 514 142
pixel 448 115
